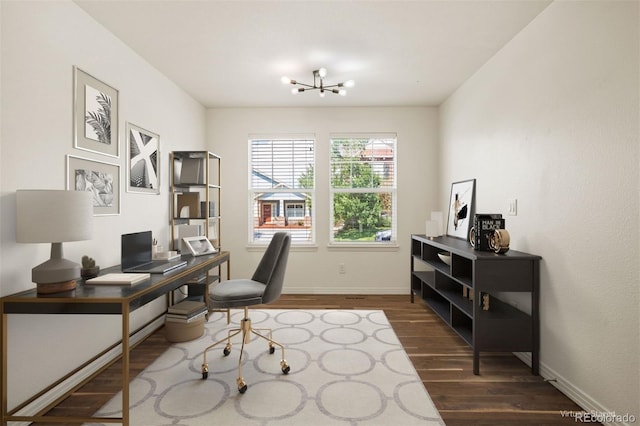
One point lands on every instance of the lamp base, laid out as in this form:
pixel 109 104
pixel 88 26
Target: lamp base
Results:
pixel 48 288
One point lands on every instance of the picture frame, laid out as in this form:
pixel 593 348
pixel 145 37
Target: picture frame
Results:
pixel 100 178
pixel 143 160
pixel 95 115
pixel 199 246
pixel 461 208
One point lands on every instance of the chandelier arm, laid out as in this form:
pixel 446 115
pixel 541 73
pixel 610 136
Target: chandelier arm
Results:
pixel 297 83
pixel 335 85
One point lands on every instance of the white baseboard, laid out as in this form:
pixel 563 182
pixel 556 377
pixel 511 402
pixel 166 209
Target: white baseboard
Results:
pixel 82 375
pixel 347 290
pixel 588 404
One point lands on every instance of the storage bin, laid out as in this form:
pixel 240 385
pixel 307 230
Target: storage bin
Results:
pixel 184 331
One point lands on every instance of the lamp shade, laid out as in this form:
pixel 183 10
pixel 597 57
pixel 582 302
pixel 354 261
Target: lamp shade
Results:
pixel 438 217
pixel 53 216
pixel 432 229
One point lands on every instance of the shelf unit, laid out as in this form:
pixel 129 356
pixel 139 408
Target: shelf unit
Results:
pixel 466 294
pixel 195 194
pixel 195 202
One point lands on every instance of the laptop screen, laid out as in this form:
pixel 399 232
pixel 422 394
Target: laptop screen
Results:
pixel 135 249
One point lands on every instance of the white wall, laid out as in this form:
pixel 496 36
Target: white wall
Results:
pixel 316 271
pixel 552 120
pixel 41 42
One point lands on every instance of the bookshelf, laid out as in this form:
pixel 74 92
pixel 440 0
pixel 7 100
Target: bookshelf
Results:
pixel 466 294
pixel 195 196
pixel 195 209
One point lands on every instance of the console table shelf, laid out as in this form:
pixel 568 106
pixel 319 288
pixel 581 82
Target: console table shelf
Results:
pixel 466 294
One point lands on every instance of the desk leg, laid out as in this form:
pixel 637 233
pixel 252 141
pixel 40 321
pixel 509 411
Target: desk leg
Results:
pixel 3 361
pixel 125 364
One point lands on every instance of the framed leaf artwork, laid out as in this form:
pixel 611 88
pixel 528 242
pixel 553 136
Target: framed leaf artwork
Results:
pixel 95 115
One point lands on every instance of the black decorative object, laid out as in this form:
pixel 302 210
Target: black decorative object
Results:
pixel 483 226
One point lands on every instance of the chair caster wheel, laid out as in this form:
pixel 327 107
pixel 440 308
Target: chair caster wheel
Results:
pixel 242 386
pixel 205 371
pixel 227 350
pixel 285 367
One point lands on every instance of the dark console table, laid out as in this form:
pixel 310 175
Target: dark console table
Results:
pixel 93 300
pixel 463 294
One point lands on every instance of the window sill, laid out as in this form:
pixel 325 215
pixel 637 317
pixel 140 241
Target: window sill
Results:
pixel 392 246
pixel 297 247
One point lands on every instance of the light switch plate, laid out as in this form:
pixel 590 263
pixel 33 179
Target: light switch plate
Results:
pixel 513 207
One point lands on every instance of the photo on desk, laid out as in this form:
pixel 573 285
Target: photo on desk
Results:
pixel 199 246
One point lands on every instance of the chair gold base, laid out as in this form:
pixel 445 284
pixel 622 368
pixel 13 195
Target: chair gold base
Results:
pixel 247 330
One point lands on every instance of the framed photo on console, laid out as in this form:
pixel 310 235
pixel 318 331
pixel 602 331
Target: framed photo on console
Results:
pixel 461 208
pixel 199 246
pixel 95 115
pixel 100 178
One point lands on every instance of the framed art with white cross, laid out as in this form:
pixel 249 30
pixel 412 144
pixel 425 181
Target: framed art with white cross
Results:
pixel 143 158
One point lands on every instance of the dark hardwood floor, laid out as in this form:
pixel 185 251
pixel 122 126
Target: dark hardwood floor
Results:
pixel 505 392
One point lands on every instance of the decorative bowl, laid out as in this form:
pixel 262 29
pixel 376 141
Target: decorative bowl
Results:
pixel 445 257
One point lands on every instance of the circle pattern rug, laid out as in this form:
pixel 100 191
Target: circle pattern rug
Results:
pixel 347 368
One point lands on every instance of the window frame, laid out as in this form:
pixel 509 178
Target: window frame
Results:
pixel 392 189
pixel 309 222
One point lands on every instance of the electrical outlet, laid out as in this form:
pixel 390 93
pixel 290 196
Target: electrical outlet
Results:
pixel 513 207
pixel 341 268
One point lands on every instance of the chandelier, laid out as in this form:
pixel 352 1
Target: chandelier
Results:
pixel 318 84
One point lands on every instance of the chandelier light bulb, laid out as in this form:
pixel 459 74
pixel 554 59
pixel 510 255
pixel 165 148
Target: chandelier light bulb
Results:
pixel 322 93
pixel 285 80
pixel 349 83
pixel 322 72
pixel 342 92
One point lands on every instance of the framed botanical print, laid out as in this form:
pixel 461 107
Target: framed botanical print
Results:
pixel 95 115
pixel 100 178
pixel 461 208
pixel 143 160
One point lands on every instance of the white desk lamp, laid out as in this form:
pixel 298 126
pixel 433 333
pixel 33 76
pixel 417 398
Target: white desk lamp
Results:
pixel 54 216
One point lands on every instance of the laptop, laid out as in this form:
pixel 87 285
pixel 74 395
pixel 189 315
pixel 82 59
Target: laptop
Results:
pixel 136 255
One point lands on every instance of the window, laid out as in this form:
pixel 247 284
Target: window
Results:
pixel 363 189
pixel 281 188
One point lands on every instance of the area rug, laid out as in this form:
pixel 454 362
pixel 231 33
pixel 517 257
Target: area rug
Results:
pixel 347 368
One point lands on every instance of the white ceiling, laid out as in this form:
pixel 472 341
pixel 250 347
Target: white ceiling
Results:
pixel 233 53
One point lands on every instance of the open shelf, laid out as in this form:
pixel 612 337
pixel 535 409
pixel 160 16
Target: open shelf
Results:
pixel 195 208
pixel 195 196
pixel 454 292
